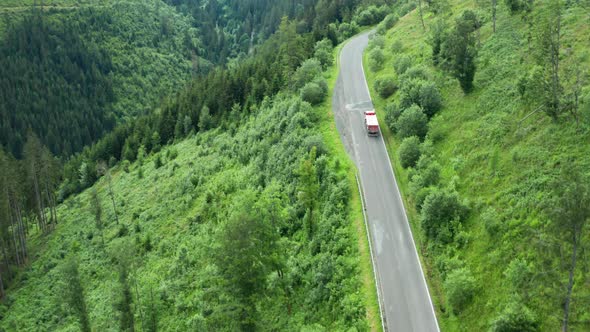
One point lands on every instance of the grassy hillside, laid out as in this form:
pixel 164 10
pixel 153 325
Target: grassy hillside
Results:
pixel 183 214
pixel 508 258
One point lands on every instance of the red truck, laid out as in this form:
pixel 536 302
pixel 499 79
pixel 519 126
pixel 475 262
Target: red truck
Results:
pixel 371 123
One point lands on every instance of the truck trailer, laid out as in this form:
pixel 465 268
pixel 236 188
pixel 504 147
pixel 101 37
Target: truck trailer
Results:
pixel 371 123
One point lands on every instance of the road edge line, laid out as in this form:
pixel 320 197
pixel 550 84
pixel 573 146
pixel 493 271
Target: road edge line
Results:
pixel 375 275
pixel 403 204
pixel 362 198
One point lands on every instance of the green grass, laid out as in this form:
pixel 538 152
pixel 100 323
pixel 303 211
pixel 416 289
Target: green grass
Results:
pixel 495 161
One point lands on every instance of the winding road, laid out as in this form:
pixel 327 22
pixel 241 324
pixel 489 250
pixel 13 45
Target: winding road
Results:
pixel 403 294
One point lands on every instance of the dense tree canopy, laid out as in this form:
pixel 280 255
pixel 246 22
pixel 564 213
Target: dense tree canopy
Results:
pixel 53 84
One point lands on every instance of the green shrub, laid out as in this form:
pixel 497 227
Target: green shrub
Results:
pixel 366 17
pixel 125 164
pixel 371 15
pixel 376 41
pixel 122 231
pixel 441 209
pixel 430 98
pixel 158 161
pixel 388 22
pixel 431 174
pixel 385 86
pixel 323 52
pixel 409 151
pixel 439 7
pixel 314 92
pixel 515 317
pixel 347 30
pixel 205 119
pixel 460 287
pixel 401 64
pixel 412 122
pixel 491 221
pixel 424 178
pixel 519 273
pixel 172 153
pixel 392 113
pixel 376 59
pixel 406 8
pixel 427 151
pixel 409 93
pixel 416 72
pixel 448 262
pixel 422 93
pixel 516 6
pixel 306 73
pixel 397 47
pixel 421 195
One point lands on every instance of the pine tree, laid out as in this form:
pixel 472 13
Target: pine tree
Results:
pixel 32 152
pixel 570 214
pixel 97 211
pixel 74 293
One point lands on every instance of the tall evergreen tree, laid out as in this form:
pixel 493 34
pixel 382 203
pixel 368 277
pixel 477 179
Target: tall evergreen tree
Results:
pixel 74 293
pixel 459 50
pixel 32 153
pixel 548 37
pixel 570 215
pixel 126 320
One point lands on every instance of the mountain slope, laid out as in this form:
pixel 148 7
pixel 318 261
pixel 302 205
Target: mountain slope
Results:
pixel 174 224
pixel 504 263
pixel 95 65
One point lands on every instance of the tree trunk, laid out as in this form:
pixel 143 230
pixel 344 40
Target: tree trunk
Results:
pixel 311 222
pixel 54 207
pixel 555 82
pixel 6 262
pixel 112 194
pixel 139 306
pixel 21 232
pixel 1 286
pixel 15 245
pixel 570 285
pixel 40 210
pixel 494 7
pixel 51 205
pixel 421 16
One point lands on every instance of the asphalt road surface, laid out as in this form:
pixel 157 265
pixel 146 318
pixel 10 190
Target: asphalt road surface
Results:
pixel 404 297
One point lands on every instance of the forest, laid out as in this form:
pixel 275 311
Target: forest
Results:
pixel 233 158
pixel 182 261
pixel 105 63
pixel 150 148
pixel 486 112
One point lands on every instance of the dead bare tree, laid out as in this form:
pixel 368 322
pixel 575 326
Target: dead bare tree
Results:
pixel 103 169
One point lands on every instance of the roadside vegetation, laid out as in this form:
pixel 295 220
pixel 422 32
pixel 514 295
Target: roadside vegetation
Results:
pixel 231 206
pixel 488 129
pixel 247 227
